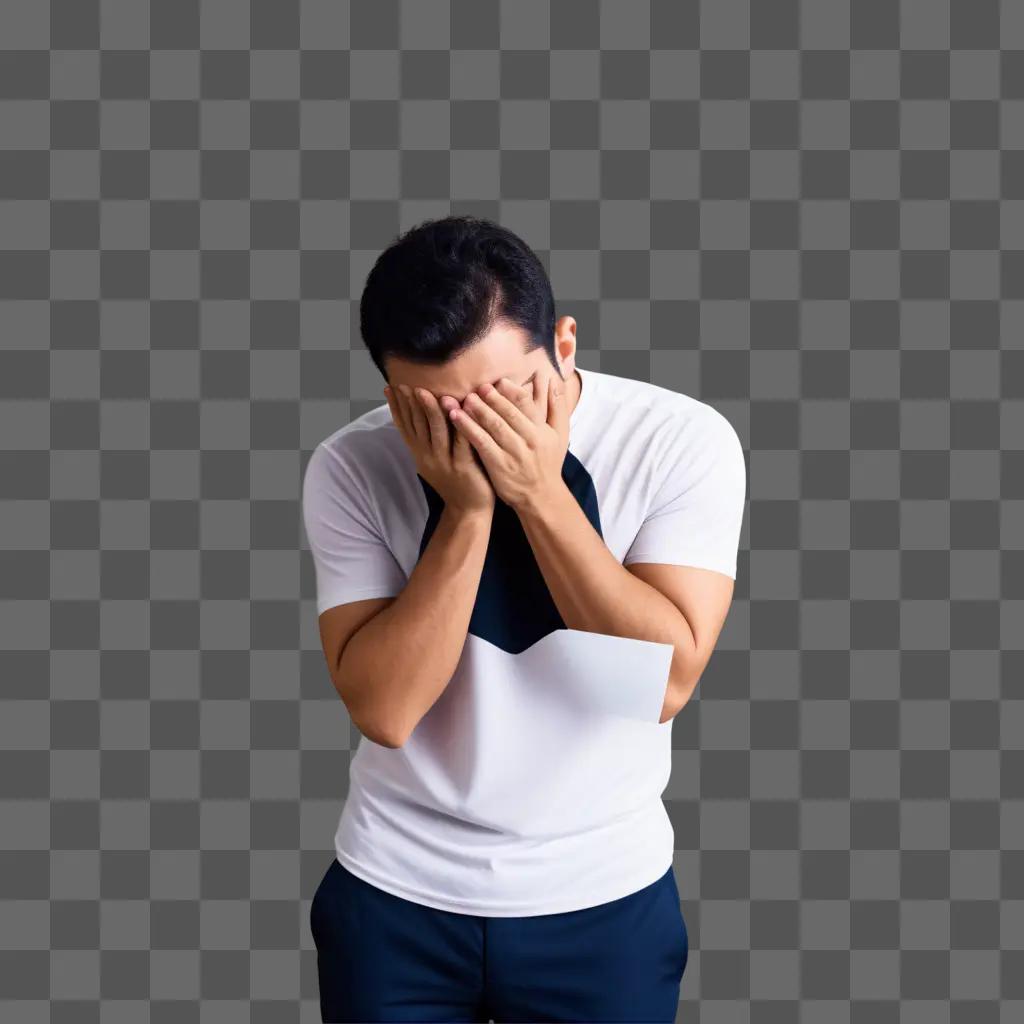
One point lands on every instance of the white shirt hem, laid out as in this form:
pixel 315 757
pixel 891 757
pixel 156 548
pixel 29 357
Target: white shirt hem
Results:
pixel 626 885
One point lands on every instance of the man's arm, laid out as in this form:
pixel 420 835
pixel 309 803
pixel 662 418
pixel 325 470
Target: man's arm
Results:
pixel 685 550
pixel 394 667
pixel 594 592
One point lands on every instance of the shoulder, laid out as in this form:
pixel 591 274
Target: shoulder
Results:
pixel 703 424
pixel 704 439
pixel 666 430
pixel 679 423
pixel 660 405
pixel 363 449
pixel 695 447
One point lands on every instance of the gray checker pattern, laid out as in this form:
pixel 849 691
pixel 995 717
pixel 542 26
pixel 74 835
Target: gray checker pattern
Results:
pixel 809 214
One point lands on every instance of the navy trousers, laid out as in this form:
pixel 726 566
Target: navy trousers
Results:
pixel 384 958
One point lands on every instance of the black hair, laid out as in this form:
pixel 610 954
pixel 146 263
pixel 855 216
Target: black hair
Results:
pixel 444 284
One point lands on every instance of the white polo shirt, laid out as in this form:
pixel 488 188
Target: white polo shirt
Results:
pixel 533 784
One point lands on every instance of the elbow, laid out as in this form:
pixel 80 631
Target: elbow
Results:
pixel 371 721
pixel 392 739
pixel 677 696
pixel 363 718
pixel 373 727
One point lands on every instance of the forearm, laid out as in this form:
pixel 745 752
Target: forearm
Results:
pixel 399 663
pixel 593 591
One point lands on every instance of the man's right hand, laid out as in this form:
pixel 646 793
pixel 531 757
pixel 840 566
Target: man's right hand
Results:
pixel 444 457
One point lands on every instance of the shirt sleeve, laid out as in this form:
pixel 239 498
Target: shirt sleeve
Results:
pixel 696 514
pixel 351 559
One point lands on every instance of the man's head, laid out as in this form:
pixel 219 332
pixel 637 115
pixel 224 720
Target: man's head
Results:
pixel 458 302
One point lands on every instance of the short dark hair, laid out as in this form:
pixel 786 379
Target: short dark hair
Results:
pixel 445 284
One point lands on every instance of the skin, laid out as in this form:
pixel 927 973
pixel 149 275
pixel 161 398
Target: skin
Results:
pixel 447 418
pixel 391 658
pixel 519 434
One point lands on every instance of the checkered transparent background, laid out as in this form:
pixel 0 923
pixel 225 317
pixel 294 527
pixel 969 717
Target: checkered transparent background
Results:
pixel 809 214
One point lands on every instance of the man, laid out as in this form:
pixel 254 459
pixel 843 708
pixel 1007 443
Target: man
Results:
pixel 522 569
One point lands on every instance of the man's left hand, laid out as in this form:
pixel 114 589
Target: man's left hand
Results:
pixel 520 436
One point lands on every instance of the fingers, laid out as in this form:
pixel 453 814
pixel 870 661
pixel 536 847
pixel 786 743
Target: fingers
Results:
pixel 398 414
pixel 460 447
pixel 462 450
pixel 482 440
pixel 501 418
pixel 506 414
pixel 521 409
pixel 558 414
pixel 437 426
pixel 415 416
pixel 420 417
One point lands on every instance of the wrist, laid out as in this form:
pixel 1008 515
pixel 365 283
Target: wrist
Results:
pixel 543 501
pixel 469 516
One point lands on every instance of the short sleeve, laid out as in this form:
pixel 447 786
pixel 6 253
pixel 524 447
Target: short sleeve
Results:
pixel 351 559
pixel 696 514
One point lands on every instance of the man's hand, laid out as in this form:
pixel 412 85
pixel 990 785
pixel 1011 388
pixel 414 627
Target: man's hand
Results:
pixel 521 437
pixel 443 458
